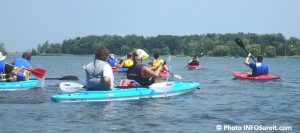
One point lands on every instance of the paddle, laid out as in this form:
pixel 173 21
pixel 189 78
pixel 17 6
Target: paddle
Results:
pixel 38 72
pixel 198 57
pixel 239 42
pixel 71 87
pixel 68 77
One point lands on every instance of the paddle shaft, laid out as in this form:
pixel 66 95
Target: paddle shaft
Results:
pixel 241 44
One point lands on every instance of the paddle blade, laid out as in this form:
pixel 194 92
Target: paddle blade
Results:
pixel 239 42
pixel 201 54
pixel 70 86
pixel 162 87
pixel 177 77
pixel 38 72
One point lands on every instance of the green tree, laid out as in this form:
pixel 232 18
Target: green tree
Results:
pixel 270 51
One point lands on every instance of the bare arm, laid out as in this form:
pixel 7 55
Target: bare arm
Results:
pixel 148 72
pixel 247 60
pixel 107 82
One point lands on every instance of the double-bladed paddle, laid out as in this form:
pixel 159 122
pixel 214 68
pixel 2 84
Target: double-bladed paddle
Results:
pixel 239 42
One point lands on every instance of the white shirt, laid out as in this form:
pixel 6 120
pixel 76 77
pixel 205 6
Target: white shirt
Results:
pixel 107 71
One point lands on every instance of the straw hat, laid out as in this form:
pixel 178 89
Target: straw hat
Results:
pixel 2 57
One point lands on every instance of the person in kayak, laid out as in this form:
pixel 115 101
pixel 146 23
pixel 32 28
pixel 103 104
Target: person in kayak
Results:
pixel 140 72
pixel 258 68
pixel 126 63
pixel 7 71
pixel 24 61
pixel 158 61
pixel 112 60
pixel 99 75
pixel 194 61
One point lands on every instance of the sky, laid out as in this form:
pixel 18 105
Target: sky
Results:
pixel 24 24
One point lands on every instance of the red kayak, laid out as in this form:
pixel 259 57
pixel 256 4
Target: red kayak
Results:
pixel 115 69
pixel 193 66
pixel 244 75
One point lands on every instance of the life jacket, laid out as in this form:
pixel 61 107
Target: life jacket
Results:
pixel 18 62
pixel 194 62
pixel 135 73
pixel 94 75
pixel 128 63
pixel 4 76
pixel 157 62
pixel 112 61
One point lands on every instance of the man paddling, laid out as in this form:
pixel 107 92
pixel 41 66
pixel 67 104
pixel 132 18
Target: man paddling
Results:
pixel 258 68
pixel 99 75
pixel 23 61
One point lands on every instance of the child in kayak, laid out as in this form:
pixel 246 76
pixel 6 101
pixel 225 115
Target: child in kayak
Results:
pixel 258 68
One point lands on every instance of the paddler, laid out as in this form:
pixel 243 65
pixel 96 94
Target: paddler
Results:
pixel 140 72
pixel 7 71
pixel 126 63
pixel 23 61
pixel 99 75
pixel 158 61
pixel 194 61
pixel 258 68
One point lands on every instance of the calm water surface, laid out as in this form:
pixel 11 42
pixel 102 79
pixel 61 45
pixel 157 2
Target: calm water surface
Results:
pixel 220 101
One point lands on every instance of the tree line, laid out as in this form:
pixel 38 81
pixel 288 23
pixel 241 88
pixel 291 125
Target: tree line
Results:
pixel 270 45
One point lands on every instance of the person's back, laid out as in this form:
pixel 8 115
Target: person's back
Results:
pixel 258 68
pixel 135 73
pixel 126 63
pixel 194 61
pixel 112 61
pixel 25 62
pixel 141 73
pixel 99 74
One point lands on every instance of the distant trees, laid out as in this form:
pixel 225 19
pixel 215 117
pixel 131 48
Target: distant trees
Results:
pixel 270 45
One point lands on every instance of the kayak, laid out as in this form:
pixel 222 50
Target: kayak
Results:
pixel 131 93
pixel 191 67
pixel 244 75
pixel 21 85
pixel 115 69
pixel 123 70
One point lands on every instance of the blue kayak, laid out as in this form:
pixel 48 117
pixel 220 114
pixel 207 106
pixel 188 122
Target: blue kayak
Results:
pixel 123 70
pixel 21 85
pixel 132 93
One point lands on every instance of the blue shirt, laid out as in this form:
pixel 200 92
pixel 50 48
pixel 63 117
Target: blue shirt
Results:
pixel 259 68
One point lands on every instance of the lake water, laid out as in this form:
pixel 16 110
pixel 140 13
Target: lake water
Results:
pixel 221 101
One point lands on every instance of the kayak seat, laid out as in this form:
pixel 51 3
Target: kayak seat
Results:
pixel 128 83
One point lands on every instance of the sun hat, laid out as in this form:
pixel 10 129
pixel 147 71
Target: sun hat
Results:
pixel 2 57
